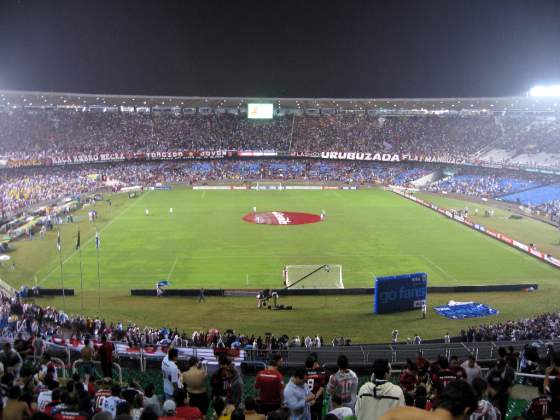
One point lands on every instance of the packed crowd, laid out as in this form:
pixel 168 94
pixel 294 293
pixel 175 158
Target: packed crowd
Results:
pixel 46 134
pixel 444 388
pixel 24 187
pixel 489 186
pixel 543 327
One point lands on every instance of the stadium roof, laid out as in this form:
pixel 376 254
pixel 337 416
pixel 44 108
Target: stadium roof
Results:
pixel 518 104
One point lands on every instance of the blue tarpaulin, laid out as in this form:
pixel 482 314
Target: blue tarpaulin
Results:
pixel 462 310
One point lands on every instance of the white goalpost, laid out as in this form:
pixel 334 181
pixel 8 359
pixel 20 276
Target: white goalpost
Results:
pixel 313 276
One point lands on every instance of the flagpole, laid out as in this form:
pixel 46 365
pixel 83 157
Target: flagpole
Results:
pixel 81 280
pixel 62 280
pixel 97 242
pixel 98 283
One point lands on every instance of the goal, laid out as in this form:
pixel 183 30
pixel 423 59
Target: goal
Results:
pixel 264 185
pixel 325 276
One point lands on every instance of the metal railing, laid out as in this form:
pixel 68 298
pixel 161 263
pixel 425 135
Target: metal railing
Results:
pixel 81 361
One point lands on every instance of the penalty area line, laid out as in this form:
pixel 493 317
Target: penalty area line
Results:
pixel 172 268
pixel 437 267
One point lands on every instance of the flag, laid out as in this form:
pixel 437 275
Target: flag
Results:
pixel 58 241
pixel 78 241
pixel 97 240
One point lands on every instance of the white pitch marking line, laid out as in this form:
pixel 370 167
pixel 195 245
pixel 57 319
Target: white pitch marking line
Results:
pixel 441 270
pixel 203 194
pixel 172 268
pixel 93 237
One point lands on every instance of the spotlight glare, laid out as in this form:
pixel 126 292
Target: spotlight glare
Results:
pixel 541 90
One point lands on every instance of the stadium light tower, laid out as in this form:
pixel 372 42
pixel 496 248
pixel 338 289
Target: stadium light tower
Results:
pixel 541 90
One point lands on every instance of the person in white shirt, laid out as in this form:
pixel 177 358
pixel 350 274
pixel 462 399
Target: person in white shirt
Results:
pixel 471 369
pixel 171 373
pixel 110 404
pixel 447 338
pixel 147 212
pixel 379 395
pixel 170 210
pixel 339 410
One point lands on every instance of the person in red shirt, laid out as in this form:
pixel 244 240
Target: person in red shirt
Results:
pixel 183 409
pixel 409 377
pixel 270 385
pixel 105 353
pixel 455 366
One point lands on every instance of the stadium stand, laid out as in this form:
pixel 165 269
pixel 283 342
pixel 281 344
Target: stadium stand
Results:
pixel 53 153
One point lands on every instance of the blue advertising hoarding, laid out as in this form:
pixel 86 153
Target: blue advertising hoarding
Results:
pixel 400 293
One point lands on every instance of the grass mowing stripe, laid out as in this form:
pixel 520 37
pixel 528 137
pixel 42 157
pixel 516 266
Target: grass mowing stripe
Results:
pixel 109 223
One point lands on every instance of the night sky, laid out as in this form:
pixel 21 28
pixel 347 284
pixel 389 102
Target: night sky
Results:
pixel 285 48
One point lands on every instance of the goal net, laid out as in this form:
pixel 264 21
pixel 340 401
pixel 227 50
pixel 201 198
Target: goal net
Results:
pixel 265 185
pixel 314 277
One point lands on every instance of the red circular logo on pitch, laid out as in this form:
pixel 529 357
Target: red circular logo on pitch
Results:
pixel 281 218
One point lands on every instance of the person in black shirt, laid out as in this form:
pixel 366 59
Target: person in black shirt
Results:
pixel 500 380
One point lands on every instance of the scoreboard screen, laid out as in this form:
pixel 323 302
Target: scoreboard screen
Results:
pixel 260 111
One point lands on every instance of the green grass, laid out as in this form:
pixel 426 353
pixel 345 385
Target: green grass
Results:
pixel 205 243
pixel 544 235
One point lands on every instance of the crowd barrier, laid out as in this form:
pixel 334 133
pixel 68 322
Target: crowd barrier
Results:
pixel 489 232
pixel 274 187
pixel 72 348
pixel 354 291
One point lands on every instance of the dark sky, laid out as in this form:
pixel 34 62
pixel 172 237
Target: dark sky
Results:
pixel 286 48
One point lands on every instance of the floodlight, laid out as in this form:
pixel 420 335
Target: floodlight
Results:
pixel 541 90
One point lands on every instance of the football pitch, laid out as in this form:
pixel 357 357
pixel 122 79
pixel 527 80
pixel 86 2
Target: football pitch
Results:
pixel 205 243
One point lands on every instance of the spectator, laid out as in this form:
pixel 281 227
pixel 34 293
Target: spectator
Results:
pixel 471 368
pixel 171 374
pixel 269 384
pixel 15 409
pixel 10 359
pixel 456 403
pixel 297 398
pixel 316 380
pixel 195 379
pixel 105 353
pixel 251 410
pixel 344 383
pixel 339 410
pixel 86 354
pixel 485 410
pixel 378 396
pixel 183 409
pixel 151 401
pixel 500 380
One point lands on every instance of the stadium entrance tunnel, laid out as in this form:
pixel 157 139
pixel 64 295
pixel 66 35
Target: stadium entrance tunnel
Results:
pixel 281 218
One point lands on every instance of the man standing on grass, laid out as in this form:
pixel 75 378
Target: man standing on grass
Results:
pixel 201 297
